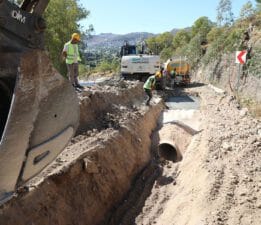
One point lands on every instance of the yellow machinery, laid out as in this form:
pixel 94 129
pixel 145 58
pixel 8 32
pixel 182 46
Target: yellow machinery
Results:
pixel 181 68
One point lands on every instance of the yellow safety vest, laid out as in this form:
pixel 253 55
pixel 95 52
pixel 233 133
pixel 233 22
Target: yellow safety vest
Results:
pixel 150 82
pixel 72 53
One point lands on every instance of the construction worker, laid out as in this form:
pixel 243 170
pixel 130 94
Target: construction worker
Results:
pixel 149 85
pixel 72 57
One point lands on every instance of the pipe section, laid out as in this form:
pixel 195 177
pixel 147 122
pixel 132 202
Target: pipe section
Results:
pixel 174 139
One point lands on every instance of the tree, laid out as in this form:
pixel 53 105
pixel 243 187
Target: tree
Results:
pixel 152 44
pixel 181 38
pixel 202 26
pixel 225 16
pixel 164 41
pixel 62 17
pixel 166 53
pixel 194 51
pixel 258 2
pixel 215 33
pixel 247 10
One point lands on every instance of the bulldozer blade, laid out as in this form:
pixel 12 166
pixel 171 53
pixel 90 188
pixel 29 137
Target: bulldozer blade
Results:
pixel 39 114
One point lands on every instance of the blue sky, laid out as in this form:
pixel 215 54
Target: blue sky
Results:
pixel 126 16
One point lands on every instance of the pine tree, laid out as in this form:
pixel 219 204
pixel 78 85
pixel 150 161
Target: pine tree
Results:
pixel 225 16
pixel 247 10
pixel 258 2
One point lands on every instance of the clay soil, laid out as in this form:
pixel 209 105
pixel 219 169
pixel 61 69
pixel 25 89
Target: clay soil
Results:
pixel 111 174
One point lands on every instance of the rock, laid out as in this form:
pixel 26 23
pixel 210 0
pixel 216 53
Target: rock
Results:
pixel 242 194
pixel 227 146
pixel 243 112
pixel 236 122
pixel 89 166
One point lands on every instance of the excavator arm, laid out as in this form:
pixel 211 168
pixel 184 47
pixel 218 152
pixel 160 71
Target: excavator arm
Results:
pixel 39 110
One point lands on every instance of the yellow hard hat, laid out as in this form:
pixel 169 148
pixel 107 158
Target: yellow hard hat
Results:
pixel 76 36
pixel 158 74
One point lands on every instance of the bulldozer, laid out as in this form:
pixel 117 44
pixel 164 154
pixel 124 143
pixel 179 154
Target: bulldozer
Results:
pixel 39 109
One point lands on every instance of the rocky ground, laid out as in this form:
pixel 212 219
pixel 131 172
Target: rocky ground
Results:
pixel 111 172
pixel 217 182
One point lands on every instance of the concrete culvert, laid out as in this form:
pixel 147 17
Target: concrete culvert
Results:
pixel 168 152
pixel 174 139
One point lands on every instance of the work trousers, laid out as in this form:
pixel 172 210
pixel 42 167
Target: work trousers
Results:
pixel 149 94
pixel 72 73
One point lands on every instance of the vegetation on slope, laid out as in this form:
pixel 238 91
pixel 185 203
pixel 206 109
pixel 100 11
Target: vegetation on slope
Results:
pixel 207 41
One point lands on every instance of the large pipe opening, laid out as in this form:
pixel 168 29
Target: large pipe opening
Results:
pixel 168 152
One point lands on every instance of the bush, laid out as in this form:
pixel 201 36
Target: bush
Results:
pixel 193 51
pixel 108 66
pixel 233 41
pixel 222 40
pixel 253 64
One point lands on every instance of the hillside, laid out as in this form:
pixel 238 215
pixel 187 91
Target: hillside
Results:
pixel 242 81
pixel 110 41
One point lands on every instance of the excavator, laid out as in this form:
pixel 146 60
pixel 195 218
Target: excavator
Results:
pixel 39 110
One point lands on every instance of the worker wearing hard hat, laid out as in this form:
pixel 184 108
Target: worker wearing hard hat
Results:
pixel 72 57
pixel 149 85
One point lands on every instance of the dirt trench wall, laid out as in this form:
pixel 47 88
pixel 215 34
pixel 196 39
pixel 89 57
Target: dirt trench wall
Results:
pixel 88 180
pixel 95 104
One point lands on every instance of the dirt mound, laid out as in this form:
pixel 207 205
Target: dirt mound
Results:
pixel 99 103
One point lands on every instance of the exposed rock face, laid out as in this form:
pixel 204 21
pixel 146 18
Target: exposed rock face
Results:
pixel 234 78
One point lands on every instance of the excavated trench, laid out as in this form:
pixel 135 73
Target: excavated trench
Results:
pixel 175 128
pixel 106 173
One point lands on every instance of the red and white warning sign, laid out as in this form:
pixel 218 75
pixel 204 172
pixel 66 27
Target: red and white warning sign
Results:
pixel 241 56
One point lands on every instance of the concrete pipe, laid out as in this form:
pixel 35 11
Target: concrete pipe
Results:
pixel 174 139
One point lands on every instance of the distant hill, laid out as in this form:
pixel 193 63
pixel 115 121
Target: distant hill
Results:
pixel 175 30
pixel 110 41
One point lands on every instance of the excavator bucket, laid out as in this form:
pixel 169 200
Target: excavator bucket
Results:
pixel 39 110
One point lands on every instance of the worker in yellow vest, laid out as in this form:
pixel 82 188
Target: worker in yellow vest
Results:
pixel 72 57
pixel 149 85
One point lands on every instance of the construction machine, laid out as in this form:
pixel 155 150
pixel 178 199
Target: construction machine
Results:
pixel 137 65
pixel 39 110
pixel 181 68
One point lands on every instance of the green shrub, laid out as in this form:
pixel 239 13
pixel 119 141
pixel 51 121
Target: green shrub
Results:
pixel 234 40
pixel 253 64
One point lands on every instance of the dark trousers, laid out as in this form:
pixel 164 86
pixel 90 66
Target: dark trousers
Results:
pixel 149 94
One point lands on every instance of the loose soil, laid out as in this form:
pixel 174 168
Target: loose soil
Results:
pixel 218 180
pixel 111 173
